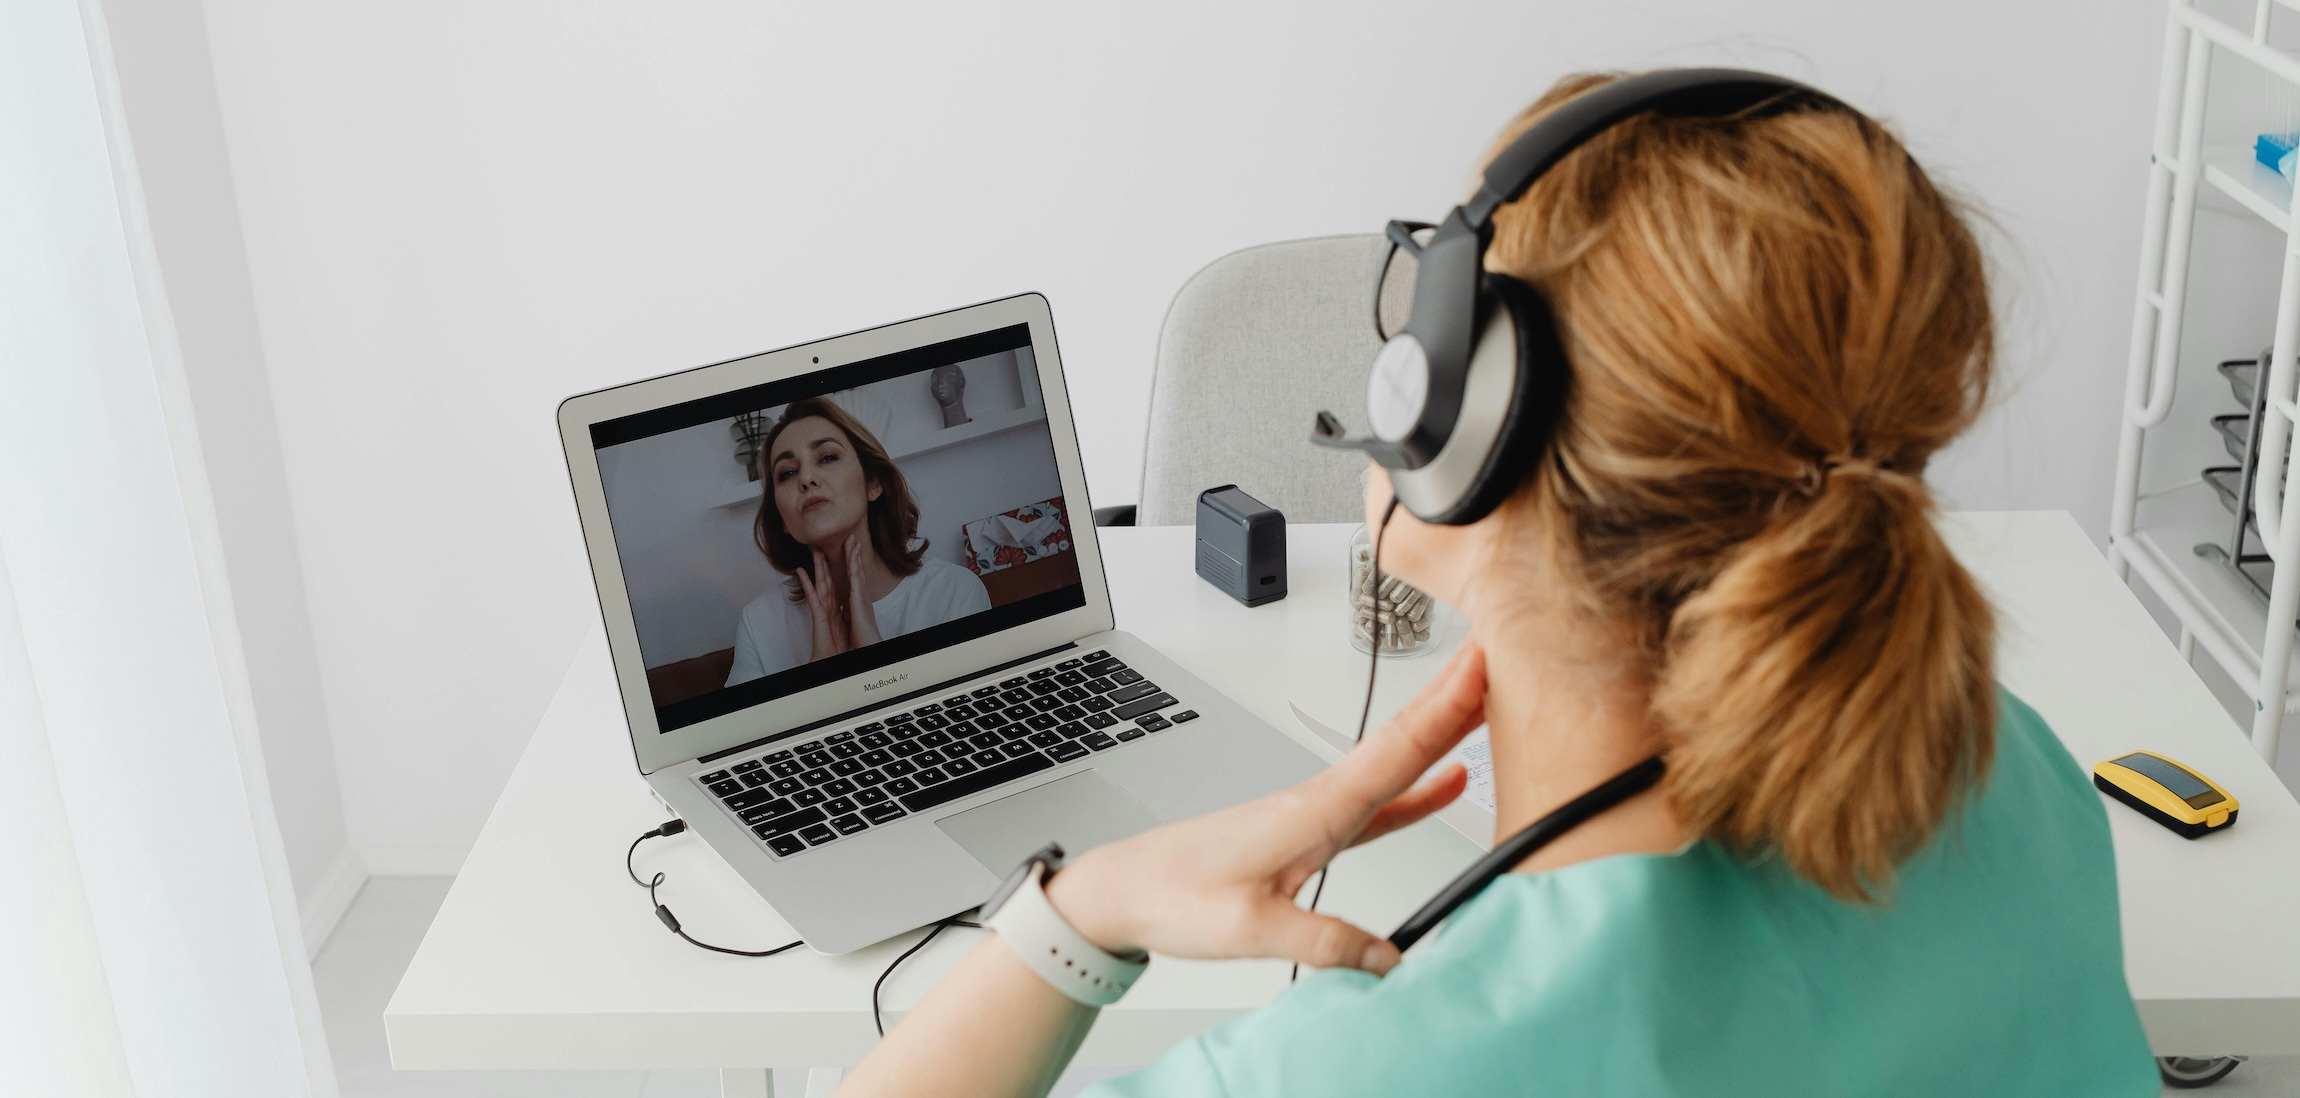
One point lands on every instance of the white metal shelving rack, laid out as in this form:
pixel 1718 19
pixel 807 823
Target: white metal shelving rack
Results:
pixel 2152 531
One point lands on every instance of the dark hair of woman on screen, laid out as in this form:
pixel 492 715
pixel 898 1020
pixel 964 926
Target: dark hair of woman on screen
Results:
pixel 837 519
pixel 1868 870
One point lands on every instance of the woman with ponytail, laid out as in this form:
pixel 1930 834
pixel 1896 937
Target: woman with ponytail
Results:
pixel 1868 869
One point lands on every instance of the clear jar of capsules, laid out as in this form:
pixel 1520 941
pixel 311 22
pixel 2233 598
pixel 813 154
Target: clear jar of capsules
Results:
pixel 1389 616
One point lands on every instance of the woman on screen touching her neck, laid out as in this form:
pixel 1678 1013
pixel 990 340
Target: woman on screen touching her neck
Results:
pixel 1868 869
pixel 836 517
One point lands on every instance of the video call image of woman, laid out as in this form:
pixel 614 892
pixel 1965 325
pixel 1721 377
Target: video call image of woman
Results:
pixel 838 521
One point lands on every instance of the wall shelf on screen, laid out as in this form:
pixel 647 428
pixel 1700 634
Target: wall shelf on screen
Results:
pixel 747 494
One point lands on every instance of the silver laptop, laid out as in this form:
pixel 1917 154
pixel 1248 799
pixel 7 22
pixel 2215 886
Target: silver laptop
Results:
pixel 858 617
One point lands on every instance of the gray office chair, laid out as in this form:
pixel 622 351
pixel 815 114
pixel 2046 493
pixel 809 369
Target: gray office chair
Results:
pixel 1252 347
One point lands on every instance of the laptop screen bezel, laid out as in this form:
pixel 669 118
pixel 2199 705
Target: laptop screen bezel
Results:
pixel 654 749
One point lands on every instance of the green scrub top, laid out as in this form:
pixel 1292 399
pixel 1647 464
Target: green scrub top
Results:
pixel 1996 968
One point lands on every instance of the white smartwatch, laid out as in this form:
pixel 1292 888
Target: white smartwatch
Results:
pixel 1046 942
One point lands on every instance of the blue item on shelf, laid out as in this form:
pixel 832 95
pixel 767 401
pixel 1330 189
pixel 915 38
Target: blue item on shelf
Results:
pixel 2276 151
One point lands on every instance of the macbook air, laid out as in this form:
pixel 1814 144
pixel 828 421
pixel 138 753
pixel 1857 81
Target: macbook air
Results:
pixel 859 621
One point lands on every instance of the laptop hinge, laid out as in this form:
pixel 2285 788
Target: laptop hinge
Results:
pixel 851 714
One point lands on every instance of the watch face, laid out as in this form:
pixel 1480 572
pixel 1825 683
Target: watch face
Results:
pixel 1049 856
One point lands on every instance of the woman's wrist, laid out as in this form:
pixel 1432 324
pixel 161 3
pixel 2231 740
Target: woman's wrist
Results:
pixel 1076 896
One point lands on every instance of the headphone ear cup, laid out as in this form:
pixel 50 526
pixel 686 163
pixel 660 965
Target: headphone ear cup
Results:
pixel 1537 400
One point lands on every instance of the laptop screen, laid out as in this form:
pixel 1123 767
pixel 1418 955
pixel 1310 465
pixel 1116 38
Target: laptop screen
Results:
pixel 803 531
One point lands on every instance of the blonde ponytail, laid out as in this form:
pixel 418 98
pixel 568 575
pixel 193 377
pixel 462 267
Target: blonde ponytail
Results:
pixel 1773 322
pixel 1830 690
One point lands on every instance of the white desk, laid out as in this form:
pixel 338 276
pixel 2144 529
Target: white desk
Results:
pixel 544 955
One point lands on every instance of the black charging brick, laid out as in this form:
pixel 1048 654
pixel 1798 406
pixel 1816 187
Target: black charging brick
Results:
pixel 1241 545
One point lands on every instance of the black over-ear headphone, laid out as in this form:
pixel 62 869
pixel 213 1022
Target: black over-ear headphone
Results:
pixel 1462 401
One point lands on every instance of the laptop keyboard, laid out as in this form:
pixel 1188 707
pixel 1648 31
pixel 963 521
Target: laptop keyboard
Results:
pixel 832 786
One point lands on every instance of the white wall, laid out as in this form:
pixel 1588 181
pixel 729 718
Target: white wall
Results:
pixel 169 94
pixel 458 214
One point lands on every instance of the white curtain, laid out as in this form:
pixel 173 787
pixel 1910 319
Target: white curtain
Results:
pixel 148 940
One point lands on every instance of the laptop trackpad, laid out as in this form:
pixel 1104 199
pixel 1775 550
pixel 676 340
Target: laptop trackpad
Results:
pixel 1080 811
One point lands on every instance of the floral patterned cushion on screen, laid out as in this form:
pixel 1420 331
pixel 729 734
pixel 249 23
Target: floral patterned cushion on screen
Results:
pixel 1027 533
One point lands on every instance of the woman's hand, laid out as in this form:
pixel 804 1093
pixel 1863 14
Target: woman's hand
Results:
pixel 1223 885
pixel 862 621
pixel 830 627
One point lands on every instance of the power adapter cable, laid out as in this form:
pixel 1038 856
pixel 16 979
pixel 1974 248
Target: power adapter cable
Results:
pixel 663 913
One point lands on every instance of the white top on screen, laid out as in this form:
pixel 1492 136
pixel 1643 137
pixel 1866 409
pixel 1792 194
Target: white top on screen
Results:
pixel 776 634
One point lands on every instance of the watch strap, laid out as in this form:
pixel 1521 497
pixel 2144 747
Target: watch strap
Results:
pixel 1057 952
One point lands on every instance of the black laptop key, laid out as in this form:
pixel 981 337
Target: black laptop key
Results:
pixel 898 768
pixel 1068 750
pixel 1185 715
pixel 1014 732
pixel 748 798
pixel 1136 708
pixel 1042 720
pixel 846 750
pixel 876 758
pixel 867 729
pixel 1041 673
pixel 1097 654
pixel 1016 749
pixel 1074 693
pixel 1096 704
pixel 1153 723
pixel 840 787
pixel 868 796
pixel 788 822
pixel 965 729
pixel 1071 713
pixel 849 824
pixel 726 787
pixel 1100 720
pixel 818 834
pixel 935 739
pixel 928 757
pixel 1129 693
pixel 984 739
pixel 839 806
pixel 787 768
pixel 747 767
pixel 988 777
pixel 1047 738
pixel 933 722
pixel 786 845
pixel 932 775
pixel 876 741
pixel 772 808
pixel 1067 664
pixel 775 756
pixel 787 786
pixel 757 778
pixel 1013 697
pixel 928 709
pixel 1122 678
pixel 1099 741
pixel 817 776
pixel 904 731
pixel 984 692
pixel 1100 686
pixel 959 712
pixel 992 720
pixel 847 767
pixel 901 718
pixel 1044 687
pixel 958 768
pixel 904 749
pixel 1047 704
pixel 840 737
pixel 816 758
pixel 810 796
pixel 1009 684
pixel 1131 733
pixel 1070 730
pixel 954 699
pixel 988 756
pixel 868 778
pixel 713 776
pixel 884 813
pixel 900 786
pixel 1070 678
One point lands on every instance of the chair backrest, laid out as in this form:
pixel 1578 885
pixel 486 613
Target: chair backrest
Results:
pixel 1252 347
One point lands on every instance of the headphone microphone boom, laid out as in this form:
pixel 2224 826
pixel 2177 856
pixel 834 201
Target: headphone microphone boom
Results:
pixel 1462 401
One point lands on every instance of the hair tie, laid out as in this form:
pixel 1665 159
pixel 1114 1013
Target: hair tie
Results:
pixel 1816 474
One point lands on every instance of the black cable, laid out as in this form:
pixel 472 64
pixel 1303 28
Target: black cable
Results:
pixel 663 913
pixel 876 1018
pixel 671 921
pixel 1373 661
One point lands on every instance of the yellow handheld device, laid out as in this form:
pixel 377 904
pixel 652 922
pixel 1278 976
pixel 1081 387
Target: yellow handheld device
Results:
pixel 2181 799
